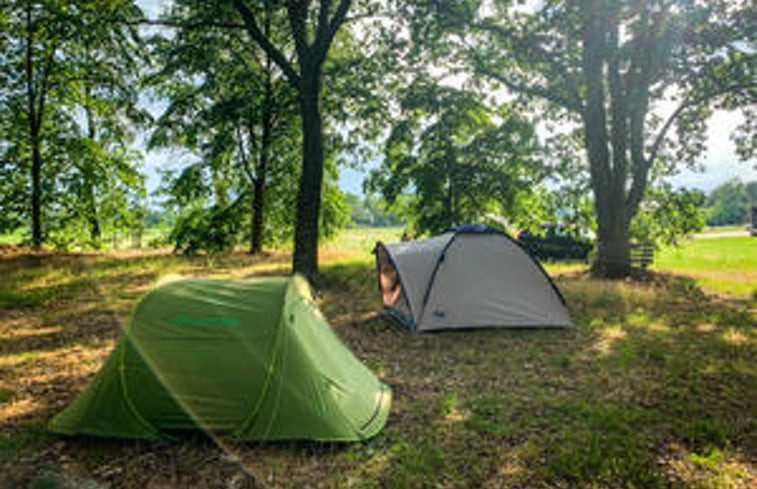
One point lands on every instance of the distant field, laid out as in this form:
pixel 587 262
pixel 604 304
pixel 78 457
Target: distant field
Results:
pixel 357 242
pixel 725 265
pixel 723 229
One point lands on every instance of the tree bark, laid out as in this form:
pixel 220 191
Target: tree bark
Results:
pixel 95 232
pixel 258 208
pixel 261 170
pixel 36 192
pixel 614 239
pixel 35 127
pixel 305 259
pixel 608 180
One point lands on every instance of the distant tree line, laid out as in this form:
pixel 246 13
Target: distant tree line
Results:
pixel 730 203
pixel 371 211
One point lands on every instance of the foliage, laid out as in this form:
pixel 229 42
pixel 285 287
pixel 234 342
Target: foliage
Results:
pixel 667 215
pixel 212 230
pixel 610 67
pixel 66 109
pixel 751 190
pixel 234 104
pixel 370 211
pixel 459 158
pixel 569 199
pixel 728 204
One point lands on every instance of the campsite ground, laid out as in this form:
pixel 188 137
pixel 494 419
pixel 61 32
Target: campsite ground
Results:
pixel 655 386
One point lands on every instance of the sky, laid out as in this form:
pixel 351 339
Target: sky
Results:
pixel 718 164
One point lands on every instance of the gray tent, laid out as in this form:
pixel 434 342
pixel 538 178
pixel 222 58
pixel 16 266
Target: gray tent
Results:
pixel 471 276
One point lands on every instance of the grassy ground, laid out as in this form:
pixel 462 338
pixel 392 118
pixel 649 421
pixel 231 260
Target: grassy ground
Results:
pixel 726 266
pixel 724 229
pixel 655 386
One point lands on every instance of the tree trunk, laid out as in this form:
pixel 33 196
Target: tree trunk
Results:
pixel 259 184
pixel 36 193
pixel 35 128
pixel 258 208
pixel 608 181
pixel 89 180
pixel 95 232
pixel 305 259
pixel 614 239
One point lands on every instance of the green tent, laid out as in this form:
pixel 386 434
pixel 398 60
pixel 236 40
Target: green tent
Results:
pixel 252 358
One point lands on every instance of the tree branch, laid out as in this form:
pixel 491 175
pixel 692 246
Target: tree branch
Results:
pixel 687 104
pixel 636 193
pixel 540 52
pixel 535 91
pixel 181 24
pixel 297 11
pixel 336 21
pixel 257 35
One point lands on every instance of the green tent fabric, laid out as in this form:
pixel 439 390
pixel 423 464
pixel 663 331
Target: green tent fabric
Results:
pixel 252 358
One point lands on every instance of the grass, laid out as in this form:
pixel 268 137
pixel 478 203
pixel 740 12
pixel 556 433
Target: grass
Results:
pixel 655 386
pixel 724 229
pixel 725 265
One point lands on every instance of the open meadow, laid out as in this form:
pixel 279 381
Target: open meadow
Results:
pixel 654 386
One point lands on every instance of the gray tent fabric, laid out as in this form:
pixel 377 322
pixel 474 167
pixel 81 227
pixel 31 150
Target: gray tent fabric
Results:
pixel 468 277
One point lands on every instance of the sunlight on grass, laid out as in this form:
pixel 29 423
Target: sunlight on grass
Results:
pixel 735 337
pixel 725 265
pixel 712 468
pixel 608 337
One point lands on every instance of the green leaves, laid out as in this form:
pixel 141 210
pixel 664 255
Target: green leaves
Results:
pixel 70 97
pixel 458 159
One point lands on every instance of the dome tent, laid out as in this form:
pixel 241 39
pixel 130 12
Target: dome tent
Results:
pixel 470 276
pixel 253 358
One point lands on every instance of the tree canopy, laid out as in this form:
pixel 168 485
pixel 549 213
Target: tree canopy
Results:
pixel 640 77
pixel 68 112
pixel 576 111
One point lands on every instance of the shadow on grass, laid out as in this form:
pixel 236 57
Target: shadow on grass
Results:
pixel 654 381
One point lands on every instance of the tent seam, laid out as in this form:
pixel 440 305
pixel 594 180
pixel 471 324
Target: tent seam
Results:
pixel 270 367
pixel 129 402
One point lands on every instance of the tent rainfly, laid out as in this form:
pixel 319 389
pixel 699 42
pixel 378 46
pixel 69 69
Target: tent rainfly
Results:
pixel 469 277
pixel 251 358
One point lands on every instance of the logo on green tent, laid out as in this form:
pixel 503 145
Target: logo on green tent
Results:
pixel 207 322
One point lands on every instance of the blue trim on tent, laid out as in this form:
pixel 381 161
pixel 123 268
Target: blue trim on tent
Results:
pixel 473 229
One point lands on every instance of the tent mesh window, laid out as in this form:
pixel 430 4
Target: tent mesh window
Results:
pixel 391 288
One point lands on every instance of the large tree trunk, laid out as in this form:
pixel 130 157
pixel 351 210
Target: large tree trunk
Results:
pixel 608 180
pixel 614 253
pixel 305 260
